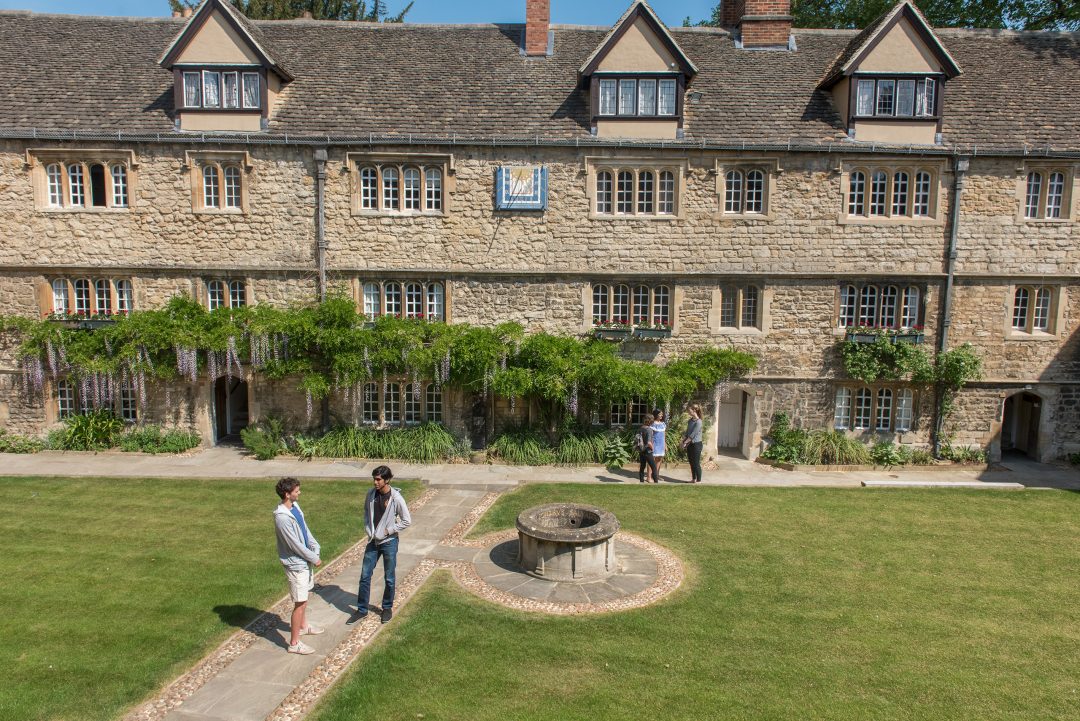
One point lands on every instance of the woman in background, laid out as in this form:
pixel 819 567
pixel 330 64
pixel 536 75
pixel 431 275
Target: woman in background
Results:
pixel 691 441
pixel 659 428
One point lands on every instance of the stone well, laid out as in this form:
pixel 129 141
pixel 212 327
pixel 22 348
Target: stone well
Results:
pixel 567 542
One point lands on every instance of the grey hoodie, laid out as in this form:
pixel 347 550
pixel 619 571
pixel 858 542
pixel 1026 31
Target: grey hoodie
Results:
pixel 396 517
pixel 290 540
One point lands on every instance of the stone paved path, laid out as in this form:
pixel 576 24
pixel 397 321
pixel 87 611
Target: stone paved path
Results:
pixel 256 682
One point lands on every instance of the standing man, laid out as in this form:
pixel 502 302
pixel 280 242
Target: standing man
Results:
pixel 385 514
pixel 643 444
pixel 298 551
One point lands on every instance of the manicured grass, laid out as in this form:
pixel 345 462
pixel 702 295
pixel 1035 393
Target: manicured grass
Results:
pixel 113 587
pixel 800 604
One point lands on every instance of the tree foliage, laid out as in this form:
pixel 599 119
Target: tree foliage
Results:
pixel 1015 14
pixel 359 10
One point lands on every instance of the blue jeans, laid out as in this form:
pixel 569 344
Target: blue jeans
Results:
pixel 388 550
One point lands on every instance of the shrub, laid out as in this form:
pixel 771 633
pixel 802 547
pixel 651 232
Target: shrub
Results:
pixel 522 447
pixel 787 444
pixel 579 448
pixel 922 457
pixel 426 443
pixel 834 448
pixel 151 439
pixel 14 443
pixel 265 439
pixel 963 454
pixel 92 431
pixel 617 451
pixel 1074 458
pixel 886 453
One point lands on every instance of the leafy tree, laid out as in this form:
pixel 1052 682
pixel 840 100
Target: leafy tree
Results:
pixel 1017 14
pixel 376 12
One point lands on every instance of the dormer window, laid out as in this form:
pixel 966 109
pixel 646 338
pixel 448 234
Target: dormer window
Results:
pixel 222 89
pixel 637 96
pixel 901 97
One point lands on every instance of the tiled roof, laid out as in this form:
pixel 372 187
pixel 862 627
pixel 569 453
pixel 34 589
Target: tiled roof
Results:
pixel 352 79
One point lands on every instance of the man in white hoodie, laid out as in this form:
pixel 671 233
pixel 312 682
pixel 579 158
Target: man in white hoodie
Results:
pixel 385 514
pixel 298 551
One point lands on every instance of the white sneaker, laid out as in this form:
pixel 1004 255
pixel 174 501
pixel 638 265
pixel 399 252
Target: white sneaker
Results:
pixel 312 631
pixel 301 648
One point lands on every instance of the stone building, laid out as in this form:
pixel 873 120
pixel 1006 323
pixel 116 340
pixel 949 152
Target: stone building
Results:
pixel 757 187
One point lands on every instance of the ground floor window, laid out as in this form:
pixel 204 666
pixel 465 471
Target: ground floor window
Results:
pixel 76 399
pixel 866 408
pixel 395 403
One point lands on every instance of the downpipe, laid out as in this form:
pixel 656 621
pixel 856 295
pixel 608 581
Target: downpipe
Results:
pixel 960 169
pixel 320 251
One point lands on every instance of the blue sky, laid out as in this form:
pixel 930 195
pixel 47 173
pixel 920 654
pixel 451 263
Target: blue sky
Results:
pixel 590 12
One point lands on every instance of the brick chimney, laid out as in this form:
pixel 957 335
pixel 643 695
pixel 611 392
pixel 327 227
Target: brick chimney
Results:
pixel 537 17
pixel 762 23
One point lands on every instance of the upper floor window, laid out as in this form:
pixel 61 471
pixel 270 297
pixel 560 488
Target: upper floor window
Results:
pixel 405 188
pixel 408 299
pixel 896 97
pixel 650 192
pixel 740 306
pixel 220 294
pixel 221 90
pixel 879 305
pixel 1034 309
pixel 1047 194
pixel 631 305
pixel 745 191
pixel 222 187
pixel 92 296
pixel 891 192
pixel 77 184
pixel 647 96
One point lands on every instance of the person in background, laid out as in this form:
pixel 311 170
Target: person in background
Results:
pixel 643 444
pixel 659 441
pixel 691 441
pixel 298 551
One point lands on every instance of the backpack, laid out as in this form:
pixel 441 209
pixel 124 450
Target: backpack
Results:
pixel 640 442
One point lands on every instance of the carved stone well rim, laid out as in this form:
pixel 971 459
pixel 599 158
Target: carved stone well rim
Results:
pixel 529 523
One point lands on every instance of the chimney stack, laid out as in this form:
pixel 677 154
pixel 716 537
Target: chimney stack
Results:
pixel 186 12
pixel 176 13
pixel 537 18
pixel 761 23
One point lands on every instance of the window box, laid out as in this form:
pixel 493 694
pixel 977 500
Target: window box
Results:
pixel 652 334
pixel 861 336
pixel 915 337
pixel 85 324
pixel 616 335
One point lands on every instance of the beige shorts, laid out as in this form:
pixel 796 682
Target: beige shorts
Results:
pixel 300 582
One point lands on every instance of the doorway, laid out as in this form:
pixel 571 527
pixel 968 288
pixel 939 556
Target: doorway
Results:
pixel 1020 424
pixel 230 408
pixel 731 422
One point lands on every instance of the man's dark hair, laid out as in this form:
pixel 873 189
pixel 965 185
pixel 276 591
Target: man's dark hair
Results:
pixel 383 472
pixel 285 486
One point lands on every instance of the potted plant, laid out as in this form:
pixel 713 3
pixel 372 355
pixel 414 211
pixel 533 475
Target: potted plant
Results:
pixel 862 334
pixel 655 331
pixel 616 330
pixel 82 321
pixel 913 334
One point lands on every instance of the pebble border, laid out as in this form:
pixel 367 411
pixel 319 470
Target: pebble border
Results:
pixel 180 690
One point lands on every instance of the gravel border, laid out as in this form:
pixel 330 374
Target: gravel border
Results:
pixel 175 693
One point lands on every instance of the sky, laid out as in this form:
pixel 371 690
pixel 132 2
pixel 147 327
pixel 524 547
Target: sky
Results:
pixel 574 12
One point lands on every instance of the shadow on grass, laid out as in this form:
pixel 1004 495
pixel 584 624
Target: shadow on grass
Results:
pixel 237 615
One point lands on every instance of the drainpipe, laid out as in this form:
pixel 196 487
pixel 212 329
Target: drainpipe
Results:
pixel 960 169
pixel 320 250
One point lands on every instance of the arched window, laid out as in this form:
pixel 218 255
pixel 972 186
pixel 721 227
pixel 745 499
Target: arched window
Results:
pixel 232 186
pixel 410 189
pixel 433 189
pixel 372 300
pixel 97 186
pixel 921 205
pixel 125 300
pixel 878 190
pixel 842 414
pixel 600 304
pixel 210 187
pixel 900 193
pixel 661 305
pixel 434 404
pixel 603 192
pixel 666 199
pixel 905 409
pixel 414 300
pixel 755 192
pixel 624 201
pixel 1055 191
pixel 76 184
pixel 102 297
pixel 848 302
pixel 392 403
pixel 750 307
pixel 733 195
pixel 435 302
pixel 1034 192
pixel 65 399
pixel 641 304
pixel 215 294
pixel 889 297
pixel 863 402
pixel 237 294
pixel 393 299
pixel 884 409
pixel 909 316
pixel 55 177
pixel 620 304
pixel 390 189
pixel 1041 317
pixel 370 409
pixel 1020 309
pixel 369 189
pixel 60 296
pixel 857 193
pixel 412 400
pixel 868 305
pixel 119 186
pixel 82 296
pixel 645 192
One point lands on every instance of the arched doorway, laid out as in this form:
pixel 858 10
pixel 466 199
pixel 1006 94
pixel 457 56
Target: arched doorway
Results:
pixel 731 422
pixel 1020 425
pixel 230 408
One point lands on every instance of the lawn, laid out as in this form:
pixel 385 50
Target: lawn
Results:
pixel 799 604
pixel 113 587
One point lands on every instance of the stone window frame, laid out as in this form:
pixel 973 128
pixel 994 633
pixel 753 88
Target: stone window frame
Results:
pixel 360 297
pixel 875 389
pixel 769 166
pixel 901 287
pixel 762 323
pixel 1069 211
pixel 870 166
pixel 424 403
pixel 197 161
pixel 1055 316
pixel 674 301
pixel 628 410
pixel 119 302
pixel 39 160
pixel 636 165
pixel 444 163
pixel 125 402
pixel 229 286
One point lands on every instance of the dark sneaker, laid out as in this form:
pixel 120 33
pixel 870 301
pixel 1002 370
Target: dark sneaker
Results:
pixel 358 615
pixel 387 614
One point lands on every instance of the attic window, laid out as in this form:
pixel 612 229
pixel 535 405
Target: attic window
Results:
pixel 636 96
pixel 896 97
pixel 221 90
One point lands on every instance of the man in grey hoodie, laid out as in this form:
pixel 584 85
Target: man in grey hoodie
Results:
pixel 298 551
pixel 385 514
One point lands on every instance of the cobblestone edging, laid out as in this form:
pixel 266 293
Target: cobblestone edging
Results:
pixel 456 535
pixel 182 688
